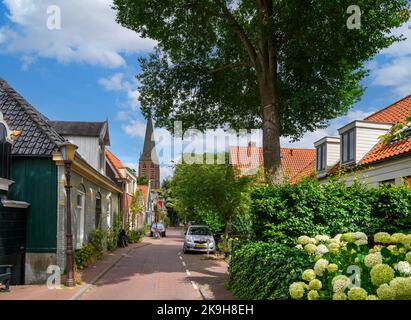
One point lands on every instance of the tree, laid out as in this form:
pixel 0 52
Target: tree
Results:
pixel 143 181
pixel 137 207
pixel 209 189
pixel 286 66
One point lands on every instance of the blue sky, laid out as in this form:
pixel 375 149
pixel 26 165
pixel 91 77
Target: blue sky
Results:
pixel 85 70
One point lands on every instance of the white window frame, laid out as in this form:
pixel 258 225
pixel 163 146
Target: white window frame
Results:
pixel 109 211
pixel 80 210
pixel 348 146
pixel 321 160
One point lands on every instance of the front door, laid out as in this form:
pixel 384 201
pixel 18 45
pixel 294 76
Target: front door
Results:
pixel 13 241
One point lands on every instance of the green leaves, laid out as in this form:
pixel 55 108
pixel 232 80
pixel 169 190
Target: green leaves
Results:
pixel 209 193
pixel 204 74
pixel 264 271
pixel 283 213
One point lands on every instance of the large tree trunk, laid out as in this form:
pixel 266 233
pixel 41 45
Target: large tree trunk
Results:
pixel 266 67
pixel 271 129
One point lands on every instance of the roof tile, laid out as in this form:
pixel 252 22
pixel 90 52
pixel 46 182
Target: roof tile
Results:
pixel 293 161
pixel 20 115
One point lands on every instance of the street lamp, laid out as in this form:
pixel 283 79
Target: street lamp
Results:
pixel 68 151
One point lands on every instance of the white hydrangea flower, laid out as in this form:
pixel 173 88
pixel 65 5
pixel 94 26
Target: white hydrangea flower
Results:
pixel 361 242
pixel 322 238
pixel 404 268
pixel 340 283
pixel 320 266
pixel 303 240
pixel 373 259
pixel 360 236
pixel 338 237
pixel 321 249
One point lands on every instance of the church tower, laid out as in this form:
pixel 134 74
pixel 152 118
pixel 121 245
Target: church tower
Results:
pixel 149 165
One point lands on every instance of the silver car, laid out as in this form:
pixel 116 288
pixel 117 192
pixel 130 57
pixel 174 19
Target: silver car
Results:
pixel 199 238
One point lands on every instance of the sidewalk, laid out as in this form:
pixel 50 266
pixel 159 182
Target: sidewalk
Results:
pixel 89 277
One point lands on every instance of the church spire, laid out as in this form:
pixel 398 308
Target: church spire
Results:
pixel 149 144
pixel 149 165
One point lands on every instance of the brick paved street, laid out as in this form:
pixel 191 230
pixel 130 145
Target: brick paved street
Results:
pixel 160 271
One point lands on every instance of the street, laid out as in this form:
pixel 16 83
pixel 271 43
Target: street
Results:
pixel 160 271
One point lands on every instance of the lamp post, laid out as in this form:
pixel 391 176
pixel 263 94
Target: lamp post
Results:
pixel 68 151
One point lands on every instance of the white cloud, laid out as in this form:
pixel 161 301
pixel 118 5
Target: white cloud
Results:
pixel 27 61
pixel 114 83
pixel 395 74
pixel 117 83
pixel 89 33
pixel 307 141
pixel 166 172
pixel 135 129
pixel 394 69
pixel 122 116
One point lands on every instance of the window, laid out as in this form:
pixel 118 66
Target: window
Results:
pixel 98 211
pixel 321 157
pixel 79 212
pixel 5 152
pixel 109 211
pixel 348 146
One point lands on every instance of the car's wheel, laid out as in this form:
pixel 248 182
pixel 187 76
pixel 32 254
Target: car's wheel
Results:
pixel 151 233
pixel 184 250
pixel 163 234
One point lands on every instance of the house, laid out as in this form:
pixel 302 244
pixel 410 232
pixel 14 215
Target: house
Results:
pixel 296 163
pixel 39 177
pixel 147 193
pixel 360 152
pixel 127 179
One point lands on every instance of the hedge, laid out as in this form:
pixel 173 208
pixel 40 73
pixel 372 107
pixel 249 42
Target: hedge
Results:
pixel 261 271
pixel 282 213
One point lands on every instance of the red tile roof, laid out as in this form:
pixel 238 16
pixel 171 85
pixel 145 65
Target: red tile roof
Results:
pixel 115 162
pixel 395 113
pixel 382 151
pixel 308 171
pixel 293 161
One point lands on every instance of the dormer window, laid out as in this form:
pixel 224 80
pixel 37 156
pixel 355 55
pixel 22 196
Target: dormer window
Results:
pixel 348 146
pixel 328 153
pixel 321 157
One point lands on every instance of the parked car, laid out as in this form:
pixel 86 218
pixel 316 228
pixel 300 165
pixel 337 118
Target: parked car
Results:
pixel 199 238
pixel 160 227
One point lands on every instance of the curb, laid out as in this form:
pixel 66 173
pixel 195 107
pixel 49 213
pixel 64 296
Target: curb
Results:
pixel 102 273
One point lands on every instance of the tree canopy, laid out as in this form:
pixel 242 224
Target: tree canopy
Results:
pixel 211 192
pixel 286 66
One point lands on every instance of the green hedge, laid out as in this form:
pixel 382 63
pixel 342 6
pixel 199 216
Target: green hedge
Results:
pixel 282 213
pixel 261 271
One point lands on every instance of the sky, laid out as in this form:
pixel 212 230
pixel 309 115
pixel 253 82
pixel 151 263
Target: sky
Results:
pixel 83 67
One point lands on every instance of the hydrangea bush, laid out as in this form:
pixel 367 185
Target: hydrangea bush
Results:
pixel 350 267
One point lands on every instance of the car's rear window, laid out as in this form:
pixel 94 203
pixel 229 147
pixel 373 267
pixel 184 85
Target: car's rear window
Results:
pixel 199 231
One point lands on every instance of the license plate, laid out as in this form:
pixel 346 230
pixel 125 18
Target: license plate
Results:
pixel 200 246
